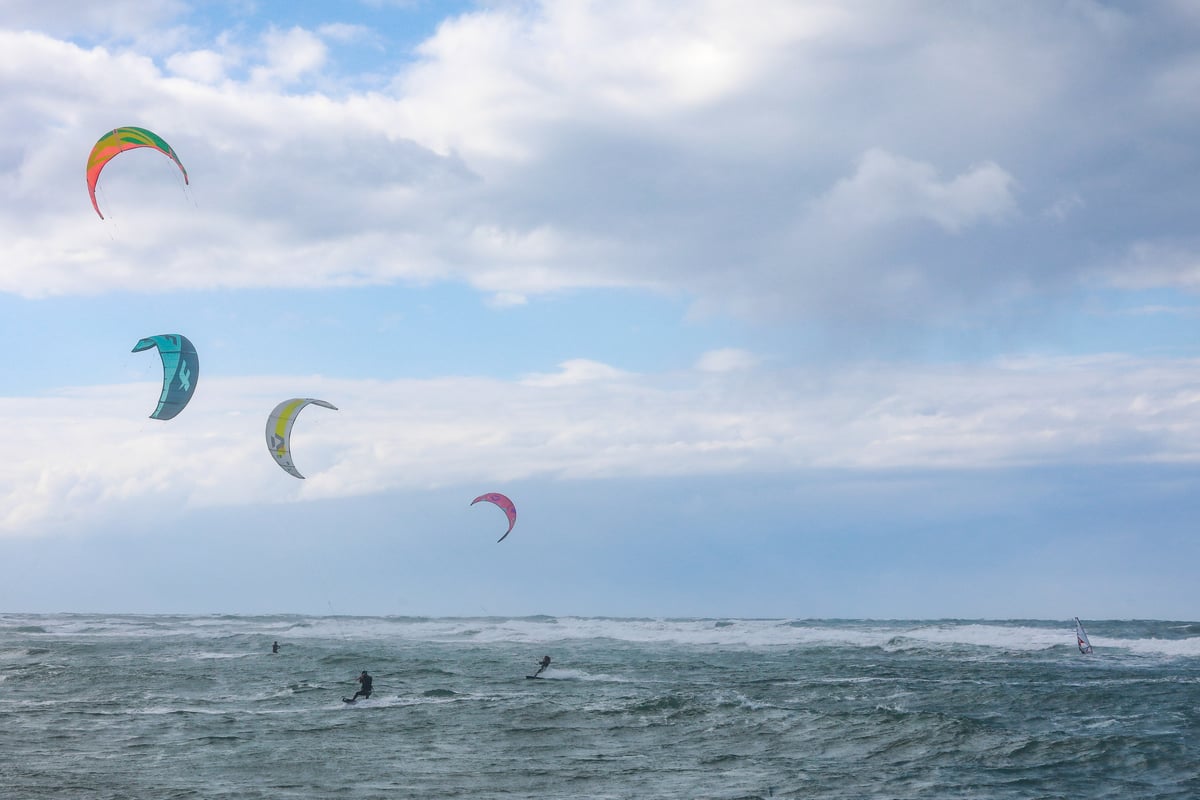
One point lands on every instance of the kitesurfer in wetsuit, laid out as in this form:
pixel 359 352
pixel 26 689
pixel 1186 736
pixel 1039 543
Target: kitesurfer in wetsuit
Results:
pixel 542 667
pixel 365 691
pixel 275 647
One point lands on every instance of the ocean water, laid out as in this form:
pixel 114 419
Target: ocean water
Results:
pixel 103 706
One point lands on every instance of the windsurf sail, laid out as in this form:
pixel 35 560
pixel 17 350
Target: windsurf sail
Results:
pixel 1081 638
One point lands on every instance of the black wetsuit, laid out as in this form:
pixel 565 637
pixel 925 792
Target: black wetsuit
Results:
pixel 365 691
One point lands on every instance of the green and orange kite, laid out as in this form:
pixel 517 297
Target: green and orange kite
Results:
pixel 117 141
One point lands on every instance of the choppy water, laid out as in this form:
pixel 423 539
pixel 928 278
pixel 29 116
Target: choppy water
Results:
pixel 197 707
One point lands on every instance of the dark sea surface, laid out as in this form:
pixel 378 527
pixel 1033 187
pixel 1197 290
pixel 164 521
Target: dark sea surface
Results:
pixel 98 706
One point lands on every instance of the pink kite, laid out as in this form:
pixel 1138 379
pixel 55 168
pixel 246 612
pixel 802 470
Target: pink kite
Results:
pixel 505 504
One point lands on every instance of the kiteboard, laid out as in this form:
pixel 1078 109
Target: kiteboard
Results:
pixel 533 677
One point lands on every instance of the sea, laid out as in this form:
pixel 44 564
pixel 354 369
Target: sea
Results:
pixel 132 706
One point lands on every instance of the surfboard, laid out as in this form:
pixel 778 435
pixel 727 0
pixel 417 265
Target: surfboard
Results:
pixel 347 700
pixel 533 677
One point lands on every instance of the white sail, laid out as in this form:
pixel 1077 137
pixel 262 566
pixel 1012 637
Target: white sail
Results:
pixel 1081 638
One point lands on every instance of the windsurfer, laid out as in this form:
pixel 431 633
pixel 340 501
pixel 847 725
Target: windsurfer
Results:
pixel 1081 638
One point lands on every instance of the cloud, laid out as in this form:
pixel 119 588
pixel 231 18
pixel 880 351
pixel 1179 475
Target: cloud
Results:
pixel 113 18
pixel 1064 206
pixel 1157 264
pixel 574 372
pixel 887 189
pixel 90 453
pixel 346 33
pixel 289 55
pixel 202 66
pixel 807 161
pixel 727 359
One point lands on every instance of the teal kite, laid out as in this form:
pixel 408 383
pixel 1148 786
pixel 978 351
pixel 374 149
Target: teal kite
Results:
pixel 181 369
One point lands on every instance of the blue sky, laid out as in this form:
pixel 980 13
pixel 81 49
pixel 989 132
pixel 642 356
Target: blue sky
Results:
pixel 790 309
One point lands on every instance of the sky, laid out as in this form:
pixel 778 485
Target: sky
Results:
pixel 771 309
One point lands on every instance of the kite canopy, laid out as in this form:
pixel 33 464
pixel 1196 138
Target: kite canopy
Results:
pixel 117 141
pixel 279 430
pixel 505 504
pixel 181 370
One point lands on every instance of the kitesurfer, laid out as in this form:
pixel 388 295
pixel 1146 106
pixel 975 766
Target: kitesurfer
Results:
pixel 545 662
pixel 275 647
pixel 365 691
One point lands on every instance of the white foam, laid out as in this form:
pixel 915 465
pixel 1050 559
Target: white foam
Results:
pixel 542 631
pixel 396 701
pixel 560 674
pixel 1153 647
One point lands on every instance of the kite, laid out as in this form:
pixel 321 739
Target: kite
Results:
pixel 181 369
pixel 505 505
pixel 117 141
pixel 279 430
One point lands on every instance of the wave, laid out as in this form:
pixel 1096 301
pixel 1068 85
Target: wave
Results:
pixel 567 674
pixel 1139 638
pixel 431 697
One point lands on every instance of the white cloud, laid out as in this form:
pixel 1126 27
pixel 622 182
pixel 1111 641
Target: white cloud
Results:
pixel 346 33
pixel 886 189
pixel 689 147
pixel 492 81
pixel 202 66
pixel 289 55
pixel 507 300
pixel 727 359
pixel 91 451
pixel 1064 206
pixel 119 18
pixel 1157 264
pixel 575 372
